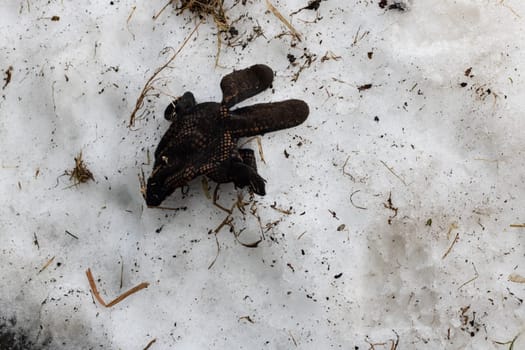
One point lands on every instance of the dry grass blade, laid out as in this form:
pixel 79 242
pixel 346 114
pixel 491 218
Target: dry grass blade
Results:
pixel 162 10
pixel 94 289
pixel 218 252
pixel 260 147
pixel 451 246
pixel 149 84
pixel 393 173
pixel 282 19
pixel 118 299
pixel 46 265
pixel 213 8
pixel 152 341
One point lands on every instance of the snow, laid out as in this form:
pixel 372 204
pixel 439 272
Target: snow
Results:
pixel 450 158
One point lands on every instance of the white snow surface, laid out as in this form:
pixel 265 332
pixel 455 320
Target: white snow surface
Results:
pixel 343 270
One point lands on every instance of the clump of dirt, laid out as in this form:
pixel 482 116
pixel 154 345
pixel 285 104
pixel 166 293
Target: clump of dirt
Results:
pixel 80 173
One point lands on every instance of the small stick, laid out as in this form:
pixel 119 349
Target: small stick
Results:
pixel 117 299
pixel 72 235
pixel 517 225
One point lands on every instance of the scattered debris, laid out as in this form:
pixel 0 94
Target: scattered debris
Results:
pixel 364 87
pixel 247 318
pixel 389 205
pixel 341 227
pixel 213 8
pixel 469 324
pixel 118 299
pixel 329 55
pixel 312 5
pixel 242 206
pixel 395 5
pixel 429 222
pixel 80 173
pixel 308 59
pixel 55 18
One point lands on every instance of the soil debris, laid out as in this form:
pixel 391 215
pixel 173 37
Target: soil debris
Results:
pixel 8 75
pixel 395 5
pixel 312 5
pixel 213 8
pixel 80 173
